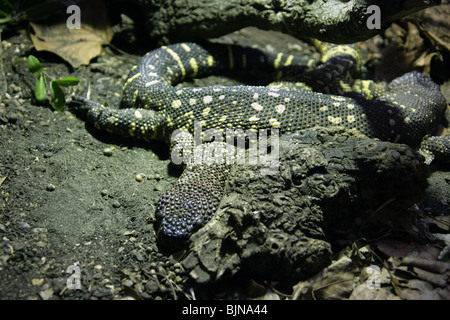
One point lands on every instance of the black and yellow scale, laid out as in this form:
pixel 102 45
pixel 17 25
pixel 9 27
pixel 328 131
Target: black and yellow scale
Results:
pixel 405 110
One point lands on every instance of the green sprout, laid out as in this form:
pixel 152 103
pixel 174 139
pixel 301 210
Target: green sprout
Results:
pixel 6 11
pixel 57 97
pixel 12 12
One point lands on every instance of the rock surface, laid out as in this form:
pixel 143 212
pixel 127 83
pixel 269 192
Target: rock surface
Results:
pixel 277 226
pixel 330 21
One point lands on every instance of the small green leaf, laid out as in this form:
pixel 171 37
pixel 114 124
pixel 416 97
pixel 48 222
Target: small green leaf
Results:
pixel 4 16
pixel 68 81
pixel 39 91
pixel 34 65
pixel 17 61
pixel 58 100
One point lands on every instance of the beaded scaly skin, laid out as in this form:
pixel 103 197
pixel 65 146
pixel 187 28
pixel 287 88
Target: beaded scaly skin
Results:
pixel 404 110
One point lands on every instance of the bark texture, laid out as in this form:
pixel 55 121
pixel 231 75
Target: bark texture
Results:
pixel 336 21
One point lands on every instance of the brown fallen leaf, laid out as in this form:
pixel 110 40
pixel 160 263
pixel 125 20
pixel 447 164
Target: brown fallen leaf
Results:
pixel 415 272
pixel 412 47
pixel 334 282
pixel 76 46
pixel 420 290
pixel 396 248
pixel 361 292
pixel 427 264
pixel 404 274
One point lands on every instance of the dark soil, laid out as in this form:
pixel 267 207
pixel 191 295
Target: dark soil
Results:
pixel 73 196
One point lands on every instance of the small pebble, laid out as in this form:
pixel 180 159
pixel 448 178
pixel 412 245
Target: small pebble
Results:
pixel 37 281
pixel 139 177
pixel 40 244
pixel 97 275
pixel 127 283
pixel 48 154
pixel 50 187
pixel 12 117
pixel 46 294
pixel 137 255
pixel 24 225
pixel 107 152
pixel 116 204
pixel 14 87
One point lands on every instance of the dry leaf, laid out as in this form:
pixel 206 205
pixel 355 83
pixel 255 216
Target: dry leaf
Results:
pixel 76 46
pixel 395 248
pixel 418 290
pixel 441 222
pixel 412 48
pixel 427 264
pixel 416 273
pixel 361 292
pixel 334 282
pixel 255 289
pixel 413 41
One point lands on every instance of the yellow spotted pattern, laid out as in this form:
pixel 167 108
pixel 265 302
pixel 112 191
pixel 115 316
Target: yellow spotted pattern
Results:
pixel 404 110
pixel 153 106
